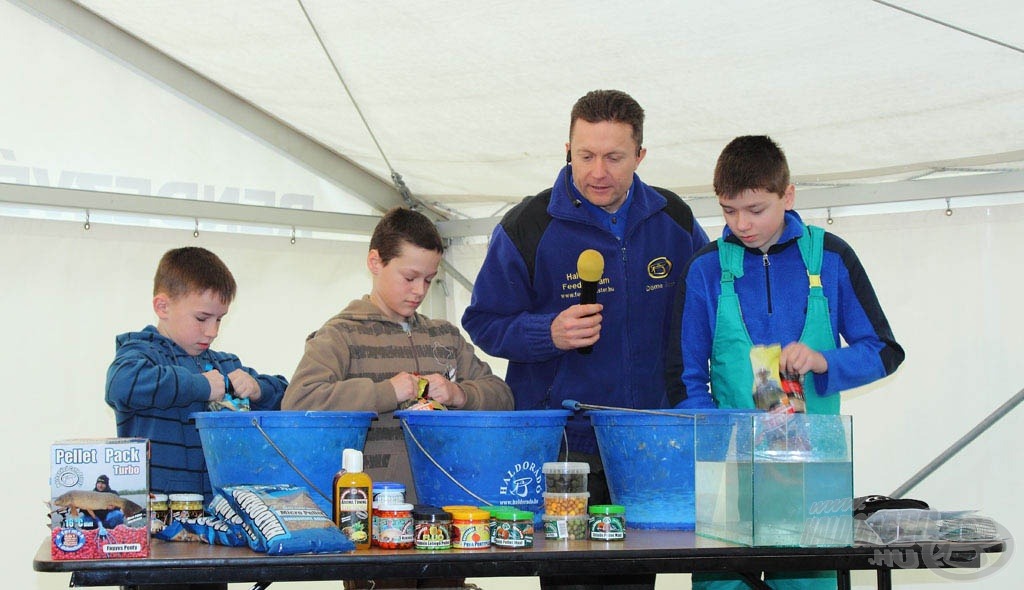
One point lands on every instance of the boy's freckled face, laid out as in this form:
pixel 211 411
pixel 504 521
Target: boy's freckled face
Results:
pixel 191 321
pixel 400 285
pixel 756 216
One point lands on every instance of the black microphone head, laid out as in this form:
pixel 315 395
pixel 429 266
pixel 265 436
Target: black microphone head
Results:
pixel 568 157
pixel 577 202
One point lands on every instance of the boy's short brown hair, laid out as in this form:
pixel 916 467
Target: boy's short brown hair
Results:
pixel 609 105
pixel 193 270
pixel 404 225
pixel 751 162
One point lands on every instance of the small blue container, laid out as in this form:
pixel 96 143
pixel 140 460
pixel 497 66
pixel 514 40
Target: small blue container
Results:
pixel 243 448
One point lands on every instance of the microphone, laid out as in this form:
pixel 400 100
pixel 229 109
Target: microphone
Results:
pixel 589 267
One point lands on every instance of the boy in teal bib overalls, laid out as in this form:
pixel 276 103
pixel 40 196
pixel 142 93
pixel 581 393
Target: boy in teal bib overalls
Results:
pixel 772 279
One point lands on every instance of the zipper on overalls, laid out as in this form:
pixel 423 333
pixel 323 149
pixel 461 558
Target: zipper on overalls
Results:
pixel 767 281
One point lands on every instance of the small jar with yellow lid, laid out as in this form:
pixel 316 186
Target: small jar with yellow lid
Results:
pixel 470 527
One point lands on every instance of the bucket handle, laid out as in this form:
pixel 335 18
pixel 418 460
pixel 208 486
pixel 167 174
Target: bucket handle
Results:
pixel 289 461
pixel 405 425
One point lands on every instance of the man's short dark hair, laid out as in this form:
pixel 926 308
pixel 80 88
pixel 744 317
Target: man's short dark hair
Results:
pixel 401 225
pixel 193 270
pixel 609 105
pixel 751 162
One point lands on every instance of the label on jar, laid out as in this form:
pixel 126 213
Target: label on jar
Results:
pixel 433 535
pixel 607 527
pixel 513 533
pixel 186 506
pixel 471 535
pixel 394 529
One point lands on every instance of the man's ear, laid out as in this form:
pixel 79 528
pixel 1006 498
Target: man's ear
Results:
pixel 160 304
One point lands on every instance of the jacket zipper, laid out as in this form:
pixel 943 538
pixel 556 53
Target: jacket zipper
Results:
pixel 412 345
pixel 767 282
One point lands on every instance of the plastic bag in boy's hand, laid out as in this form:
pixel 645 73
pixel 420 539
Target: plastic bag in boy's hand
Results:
pixel 230 402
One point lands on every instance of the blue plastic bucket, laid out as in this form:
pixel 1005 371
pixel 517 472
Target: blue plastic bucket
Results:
pixel 649 463
pixel 244 448
pixel 481 458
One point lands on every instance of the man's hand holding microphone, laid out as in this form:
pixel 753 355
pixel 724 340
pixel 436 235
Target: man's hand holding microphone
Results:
pixel 579 326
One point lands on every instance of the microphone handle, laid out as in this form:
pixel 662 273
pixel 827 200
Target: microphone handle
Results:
pixel 588 295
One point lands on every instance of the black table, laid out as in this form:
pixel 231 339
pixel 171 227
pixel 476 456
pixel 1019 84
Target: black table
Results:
pixel 643 552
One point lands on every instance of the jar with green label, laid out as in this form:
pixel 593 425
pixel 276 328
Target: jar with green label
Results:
pixel 607 522
pixel 514 529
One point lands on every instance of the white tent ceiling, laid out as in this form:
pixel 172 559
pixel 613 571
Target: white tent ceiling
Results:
pixel 469 101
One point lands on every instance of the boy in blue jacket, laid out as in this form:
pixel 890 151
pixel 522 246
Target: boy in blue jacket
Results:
pixel 166 372
pixel 770 279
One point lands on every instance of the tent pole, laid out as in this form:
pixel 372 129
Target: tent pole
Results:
pixel 959 445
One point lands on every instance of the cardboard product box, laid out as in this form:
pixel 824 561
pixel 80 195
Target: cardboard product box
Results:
pixel 99 506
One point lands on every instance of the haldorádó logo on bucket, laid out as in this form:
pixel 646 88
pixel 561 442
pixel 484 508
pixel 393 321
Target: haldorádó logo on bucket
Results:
pixel 521 481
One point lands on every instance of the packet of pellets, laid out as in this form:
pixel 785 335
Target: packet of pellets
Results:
pixel 913 525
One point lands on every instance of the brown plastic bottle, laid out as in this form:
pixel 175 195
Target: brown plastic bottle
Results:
pixel 353 491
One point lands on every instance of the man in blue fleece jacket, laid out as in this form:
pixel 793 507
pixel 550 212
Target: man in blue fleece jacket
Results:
pixel 770 279
pixel 164 373
pixel 525 304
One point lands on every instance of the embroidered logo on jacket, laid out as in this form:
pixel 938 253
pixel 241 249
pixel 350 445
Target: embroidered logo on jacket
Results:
pixel 659 268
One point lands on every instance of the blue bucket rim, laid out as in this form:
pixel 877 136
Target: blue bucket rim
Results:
pixel 282 418
pixel 504 418
pixel 627 418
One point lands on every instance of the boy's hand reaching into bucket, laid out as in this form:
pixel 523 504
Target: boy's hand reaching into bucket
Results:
pixel 406 386
pixel 217 387
pixel 244 385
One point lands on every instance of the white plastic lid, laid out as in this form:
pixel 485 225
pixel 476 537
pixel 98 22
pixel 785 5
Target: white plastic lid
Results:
pixel 186 498
pixel 566 467
pixel 352 460
pixel 158 498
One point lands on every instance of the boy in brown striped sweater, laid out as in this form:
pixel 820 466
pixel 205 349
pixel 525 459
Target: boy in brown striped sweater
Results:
pixel 372 354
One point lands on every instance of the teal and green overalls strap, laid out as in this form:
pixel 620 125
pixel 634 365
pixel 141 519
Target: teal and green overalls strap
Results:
pixel 732 377
pixel 817 333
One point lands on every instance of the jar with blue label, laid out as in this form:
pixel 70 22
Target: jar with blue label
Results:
pixel 388 492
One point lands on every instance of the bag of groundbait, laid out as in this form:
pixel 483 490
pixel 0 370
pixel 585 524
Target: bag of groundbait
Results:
pixel 285 520
pixel 221 508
